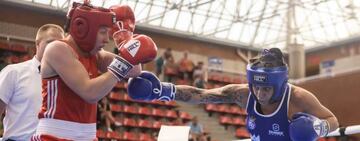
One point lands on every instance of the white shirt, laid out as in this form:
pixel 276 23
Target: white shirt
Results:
pixel 20 90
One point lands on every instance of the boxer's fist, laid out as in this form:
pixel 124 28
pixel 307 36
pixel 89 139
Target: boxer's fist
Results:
pixel 124 15
pixel 140 49
pixel 148 87
pixel 306 127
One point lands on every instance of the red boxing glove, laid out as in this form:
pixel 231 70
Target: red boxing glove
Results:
pixel 121 35
pixel 124 15
pixel 139 49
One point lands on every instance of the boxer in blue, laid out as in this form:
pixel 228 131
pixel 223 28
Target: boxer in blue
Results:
pixel 277 110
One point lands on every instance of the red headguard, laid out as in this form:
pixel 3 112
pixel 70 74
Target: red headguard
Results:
pixel 84 21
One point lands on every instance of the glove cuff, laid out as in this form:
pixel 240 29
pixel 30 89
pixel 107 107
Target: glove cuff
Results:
pixel 321 127
pixel 119 67
pixel 168 92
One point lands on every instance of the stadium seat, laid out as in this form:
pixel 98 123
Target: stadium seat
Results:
pixel 129 122
pixel 185 115
pixel 223 108
pixel 101 134
pixel 157 124
pixel 239 121
pixel 130 109
pixel 171 114
pixel 210 107
pixel 130 136
pixel 115 108
pixel 115 96
pixel 158 112
pixel 242 133
pixel 225 120
pixel 144 124
pixel 145 111
pixel 145 137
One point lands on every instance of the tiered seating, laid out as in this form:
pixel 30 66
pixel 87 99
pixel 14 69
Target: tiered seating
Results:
pixel 125 136
pixel 232 121
pixel 225 109
pixel 143 117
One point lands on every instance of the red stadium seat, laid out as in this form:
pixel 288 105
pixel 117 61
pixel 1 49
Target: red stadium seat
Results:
pixel 171 114
pixel 101 134
pixel 145 137
pixel 223 108
pixel 145 111
pixel 242 133
pixel 239 121
pixel 115 96
pixel 158 112
pixel 113 135
pixel 130 136
pixel 226 79
pixel 185 115
pixel 171 103
pixel 237 80
pixel 210 107
pixel 235 110
pixel 157 124
pixel 225 120
pixel 144 123
pixel 115 108
pixel 129 122
pixel 130 109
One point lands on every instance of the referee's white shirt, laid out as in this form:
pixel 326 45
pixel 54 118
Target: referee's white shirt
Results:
pixel 20 89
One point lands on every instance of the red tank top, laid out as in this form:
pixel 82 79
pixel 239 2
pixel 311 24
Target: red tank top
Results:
pixel 60 102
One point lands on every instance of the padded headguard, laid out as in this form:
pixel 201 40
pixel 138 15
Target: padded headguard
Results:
pixel 265 75
pixel 84 21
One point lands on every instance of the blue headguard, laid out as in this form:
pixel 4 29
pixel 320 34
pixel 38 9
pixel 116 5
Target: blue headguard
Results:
pixel 276 77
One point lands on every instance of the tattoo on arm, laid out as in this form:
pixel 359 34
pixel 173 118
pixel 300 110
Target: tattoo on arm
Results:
pixel 226 94
pixel 186 93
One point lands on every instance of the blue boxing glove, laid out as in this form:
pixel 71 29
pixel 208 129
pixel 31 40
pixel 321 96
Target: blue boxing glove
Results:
pixel 148 87
pixel 306 127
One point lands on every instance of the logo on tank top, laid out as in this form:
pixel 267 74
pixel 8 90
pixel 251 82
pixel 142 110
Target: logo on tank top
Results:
pixel 255 138
pixel 251 123
pixel 276 130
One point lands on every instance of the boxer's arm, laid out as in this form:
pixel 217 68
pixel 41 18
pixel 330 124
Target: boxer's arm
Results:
pixel 312 105
pixel 73 73
pixel 104 60
pixel 232 93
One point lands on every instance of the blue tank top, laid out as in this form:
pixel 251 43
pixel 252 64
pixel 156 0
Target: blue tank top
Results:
pixel 271 127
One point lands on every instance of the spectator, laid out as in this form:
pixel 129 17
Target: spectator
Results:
pixel 168 53
pixel 199 70
pixel 196 130
pixel 104 114
pixel 199 81
pixel 159 64
pixel 170 70
pixel 186 67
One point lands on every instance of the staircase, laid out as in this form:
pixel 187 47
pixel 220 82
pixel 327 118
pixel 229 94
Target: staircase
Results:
pixel 211 124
